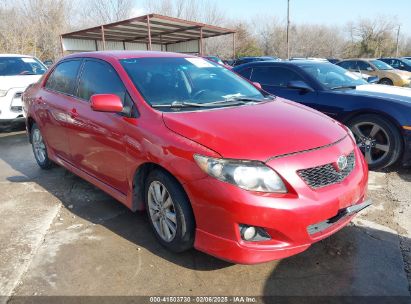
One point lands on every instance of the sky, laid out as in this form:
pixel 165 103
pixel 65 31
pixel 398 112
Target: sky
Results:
pixel 330 12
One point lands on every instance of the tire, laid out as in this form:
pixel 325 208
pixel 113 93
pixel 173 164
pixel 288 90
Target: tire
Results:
pixel 386 81
pixel 378 139
pixel 39 148
pixel 184 225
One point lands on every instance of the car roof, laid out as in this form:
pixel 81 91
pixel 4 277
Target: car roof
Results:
pixel 14 55
pixel 285 63
pixel 360 59
pixel 251 57
pixel 118 55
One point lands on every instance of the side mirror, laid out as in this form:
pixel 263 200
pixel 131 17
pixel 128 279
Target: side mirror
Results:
pixel 300 85
pixel 372 79
pixel 257 85
pixel 106 103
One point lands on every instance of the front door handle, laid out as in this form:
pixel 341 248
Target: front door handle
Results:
pixel 73 113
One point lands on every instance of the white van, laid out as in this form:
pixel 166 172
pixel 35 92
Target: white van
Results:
pixel 17 72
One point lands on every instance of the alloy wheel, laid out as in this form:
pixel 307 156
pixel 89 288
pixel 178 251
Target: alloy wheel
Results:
pixel 38 146
pixel 162 211
pixel 372 140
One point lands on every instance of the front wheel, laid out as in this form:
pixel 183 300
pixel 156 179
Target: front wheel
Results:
pixel 386 81
pixel 378 139
pixel 39 148
pixel 169 211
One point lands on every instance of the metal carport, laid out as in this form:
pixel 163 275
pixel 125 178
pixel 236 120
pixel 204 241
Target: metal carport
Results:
pixel 149 32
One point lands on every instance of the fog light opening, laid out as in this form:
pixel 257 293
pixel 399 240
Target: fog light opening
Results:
pixel 253 234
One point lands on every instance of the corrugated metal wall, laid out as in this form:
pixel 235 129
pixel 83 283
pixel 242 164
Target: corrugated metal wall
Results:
pixel 83 45
pixel 184 47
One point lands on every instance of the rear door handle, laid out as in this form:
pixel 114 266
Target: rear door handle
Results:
pixel 73 113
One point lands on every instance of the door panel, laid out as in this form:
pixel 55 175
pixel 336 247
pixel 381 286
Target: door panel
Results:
pixel 97 144
pixel 53 104
pixel 97 138
pixel 54 119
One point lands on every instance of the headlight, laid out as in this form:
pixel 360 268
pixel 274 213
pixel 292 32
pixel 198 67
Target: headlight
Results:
pixel 248 175
pixel 3 93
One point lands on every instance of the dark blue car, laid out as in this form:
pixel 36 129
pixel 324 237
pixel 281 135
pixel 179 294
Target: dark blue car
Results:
pixel 398 63
pixel 243 60
pixel 378 115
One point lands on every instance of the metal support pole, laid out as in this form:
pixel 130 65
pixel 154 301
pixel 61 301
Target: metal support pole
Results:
pixel 288 29
pixel 201 42
pixel 62 46
pixel 103 38
pixel 234 46
pixel 149 33
pixel 161 43
pixel 398 41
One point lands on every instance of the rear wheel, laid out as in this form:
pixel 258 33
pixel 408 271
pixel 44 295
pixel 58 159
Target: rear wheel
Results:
pixel 386 81
pixel 378 139
pixel 39 148
pixel 169 211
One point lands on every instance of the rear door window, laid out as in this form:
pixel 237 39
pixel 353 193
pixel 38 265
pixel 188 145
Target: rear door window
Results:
pixel 364 66
pixel 348 65
pixel 63 78
pixel 274 76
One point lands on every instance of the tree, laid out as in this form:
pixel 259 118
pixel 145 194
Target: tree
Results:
pixel 96 12
pixel 372 37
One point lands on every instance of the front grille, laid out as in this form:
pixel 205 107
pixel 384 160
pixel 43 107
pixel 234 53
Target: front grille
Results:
pixel 322 176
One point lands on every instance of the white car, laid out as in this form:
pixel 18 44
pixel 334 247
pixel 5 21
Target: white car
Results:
pixel 17 72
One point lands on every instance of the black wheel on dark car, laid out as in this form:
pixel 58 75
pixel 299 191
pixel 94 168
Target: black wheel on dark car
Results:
pixel 169 211
pixel 386 81
pixel 378 139
pixel 39 148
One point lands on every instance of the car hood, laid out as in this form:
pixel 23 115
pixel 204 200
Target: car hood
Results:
pixel 383 92
pixel 257 132
pixel 19 81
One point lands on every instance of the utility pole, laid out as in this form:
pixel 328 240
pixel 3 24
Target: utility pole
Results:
pixel 398 40
pixel 288 29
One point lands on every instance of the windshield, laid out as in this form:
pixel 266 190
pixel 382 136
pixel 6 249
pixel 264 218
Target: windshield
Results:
pixel 163 81
pixel 12 66
pixel 333 76
pixel 380 65
pixel 407 62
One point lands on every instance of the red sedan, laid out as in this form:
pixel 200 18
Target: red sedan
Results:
pixel 218 164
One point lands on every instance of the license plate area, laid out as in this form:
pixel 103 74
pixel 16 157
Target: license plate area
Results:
pixel 324 225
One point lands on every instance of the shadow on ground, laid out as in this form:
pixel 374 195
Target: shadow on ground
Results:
pixel 356 261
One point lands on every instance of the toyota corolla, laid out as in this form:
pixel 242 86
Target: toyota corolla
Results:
pixel 218 164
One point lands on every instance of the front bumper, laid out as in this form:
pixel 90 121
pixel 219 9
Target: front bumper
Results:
pixel 11 109
pixel 220 208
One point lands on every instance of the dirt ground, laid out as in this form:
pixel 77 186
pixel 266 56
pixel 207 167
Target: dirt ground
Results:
pixel 62 236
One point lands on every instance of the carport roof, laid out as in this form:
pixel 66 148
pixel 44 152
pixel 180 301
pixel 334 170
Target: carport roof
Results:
pixel 151 28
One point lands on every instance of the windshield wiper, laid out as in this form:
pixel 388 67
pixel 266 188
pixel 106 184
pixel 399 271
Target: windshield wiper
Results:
pixel 344 87
pixel 232 101
pixel 245 99
pixel 184 104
